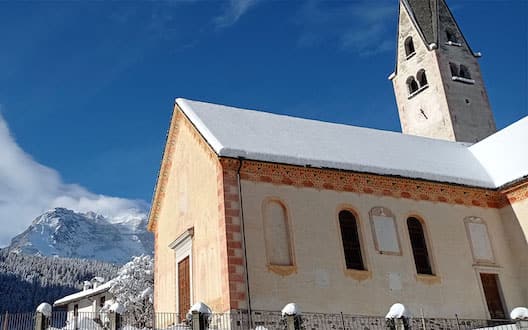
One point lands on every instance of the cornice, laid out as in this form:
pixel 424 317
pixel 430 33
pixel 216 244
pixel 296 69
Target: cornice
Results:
pixel 517 193
pixel 364 183
pixel 178 121
pixel 163 175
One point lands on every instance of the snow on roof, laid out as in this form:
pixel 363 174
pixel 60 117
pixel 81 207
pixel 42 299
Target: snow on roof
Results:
pixel 83 294
pixel 262 136
pixel 504 154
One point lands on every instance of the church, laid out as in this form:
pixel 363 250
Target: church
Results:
pixel 254 210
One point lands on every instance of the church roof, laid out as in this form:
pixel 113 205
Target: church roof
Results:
pixel 261 136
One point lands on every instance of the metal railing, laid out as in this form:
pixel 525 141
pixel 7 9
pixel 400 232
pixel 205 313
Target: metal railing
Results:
pixel 233 320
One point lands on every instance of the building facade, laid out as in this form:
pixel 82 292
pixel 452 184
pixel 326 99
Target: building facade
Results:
pixel 86 304
pixel 252 210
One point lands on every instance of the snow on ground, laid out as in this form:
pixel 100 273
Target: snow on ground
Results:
pixel 83 323
pixel 501 327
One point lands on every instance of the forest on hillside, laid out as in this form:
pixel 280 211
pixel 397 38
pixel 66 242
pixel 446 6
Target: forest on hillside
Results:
pixel 26 280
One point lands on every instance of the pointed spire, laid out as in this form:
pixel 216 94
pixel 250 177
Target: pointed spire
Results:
pixel 425 16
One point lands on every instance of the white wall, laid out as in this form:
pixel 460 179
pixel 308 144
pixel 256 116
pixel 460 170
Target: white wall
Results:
pixel 322 284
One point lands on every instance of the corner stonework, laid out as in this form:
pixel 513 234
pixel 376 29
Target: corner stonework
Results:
pixel 233 254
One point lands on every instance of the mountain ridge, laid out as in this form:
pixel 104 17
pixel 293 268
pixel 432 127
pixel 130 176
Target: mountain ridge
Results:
pixel 65 233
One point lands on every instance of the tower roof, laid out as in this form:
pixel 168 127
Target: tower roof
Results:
pixel 425 15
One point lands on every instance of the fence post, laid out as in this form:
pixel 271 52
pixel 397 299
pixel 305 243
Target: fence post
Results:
pixel 200 313
pixel 42 316
pixel 522 324
pixel 112 320
pixel 39 321
pixel 6 321
pixel 520 316
pixel 290 322
pixel 292 315
pixel 399 315
pixel 400 323
pixel 197 321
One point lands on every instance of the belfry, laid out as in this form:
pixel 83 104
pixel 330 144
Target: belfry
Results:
pixel 437 80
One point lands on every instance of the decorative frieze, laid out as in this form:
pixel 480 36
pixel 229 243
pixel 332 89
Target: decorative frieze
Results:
pixel 517 193
pixel 363 183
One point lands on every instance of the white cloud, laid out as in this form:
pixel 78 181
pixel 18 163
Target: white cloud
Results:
pixel 234 10
pixel 28 189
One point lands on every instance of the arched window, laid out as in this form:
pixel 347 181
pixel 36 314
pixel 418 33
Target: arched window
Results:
pixel 464 72
pixel 419 246
pixel 422 78
pixel 350 238
pixel 409 46
pixel 451 36
pixel 454 69
pixel 412 85
pixel 277 235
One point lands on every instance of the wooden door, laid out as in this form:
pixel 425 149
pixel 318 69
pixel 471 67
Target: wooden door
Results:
pixel 184 288
pixel 490 285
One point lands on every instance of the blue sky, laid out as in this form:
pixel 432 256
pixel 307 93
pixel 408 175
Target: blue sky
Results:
pixel 87 88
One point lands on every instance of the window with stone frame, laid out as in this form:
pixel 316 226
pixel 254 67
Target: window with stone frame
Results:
pixel 464 72
pixel 422 78
pixel 454 69
pixel 409 47
pixel 412 85
pixel 419 246
pixel 451 36
pixel 351 241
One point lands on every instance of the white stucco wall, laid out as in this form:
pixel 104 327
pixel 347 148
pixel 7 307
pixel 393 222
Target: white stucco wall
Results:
pixel 321 283
pixel 88 307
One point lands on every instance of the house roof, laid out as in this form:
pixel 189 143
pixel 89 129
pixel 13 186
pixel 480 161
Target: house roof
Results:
pixel 261 136
pixel 83 294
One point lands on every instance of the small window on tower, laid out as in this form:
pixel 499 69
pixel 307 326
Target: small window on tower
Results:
pixel 454 69
pixel 412 85
pixel 464 72
pixel 451 36
pixel 422 78
pixel 409 47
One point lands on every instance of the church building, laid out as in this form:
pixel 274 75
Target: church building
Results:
pixel 254 210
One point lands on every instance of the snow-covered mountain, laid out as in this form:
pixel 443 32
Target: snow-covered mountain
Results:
pixel 65 233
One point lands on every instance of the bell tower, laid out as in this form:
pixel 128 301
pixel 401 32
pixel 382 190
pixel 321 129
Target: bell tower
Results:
pixel 437 80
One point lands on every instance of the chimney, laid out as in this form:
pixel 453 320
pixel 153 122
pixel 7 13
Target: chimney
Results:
pixel 87 285
pixel 97 281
